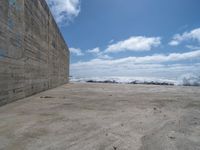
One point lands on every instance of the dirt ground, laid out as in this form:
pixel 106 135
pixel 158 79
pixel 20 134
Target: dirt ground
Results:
pixel 84 116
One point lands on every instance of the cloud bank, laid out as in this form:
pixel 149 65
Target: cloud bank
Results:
pixel 136 66
pixel 157 58
pixel 64 11
pixel 168 66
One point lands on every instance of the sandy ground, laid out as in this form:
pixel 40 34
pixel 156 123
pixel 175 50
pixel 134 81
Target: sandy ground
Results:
pixel 104 117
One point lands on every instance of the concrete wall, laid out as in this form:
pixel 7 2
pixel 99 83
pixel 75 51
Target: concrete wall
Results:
pixel 33 54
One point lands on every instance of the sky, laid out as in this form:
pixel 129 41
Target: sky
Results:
pixel 149 38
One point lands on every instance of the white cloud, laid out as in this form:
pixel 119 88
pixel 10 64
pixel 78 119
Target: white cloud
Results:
pixel 171 71
pixel 64 10
pixel 103 56
pixel 97 52
pixel 135 43
pixel 192 35
pixel 159 58
pixel 193 47
pixel 111 41
pixel 76 51
pixel 136 65
pixel 94 51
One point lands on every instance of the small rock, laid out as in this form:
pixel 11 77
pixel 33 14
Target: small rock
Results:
pixel 171 135
pixel 46 97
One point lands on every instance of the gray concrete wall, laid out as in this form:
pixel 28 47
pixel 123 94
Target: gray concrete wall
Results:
pixel 33 53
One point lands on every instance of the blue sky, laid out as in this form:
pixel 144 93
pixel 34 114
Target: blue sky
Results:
pixel 155 38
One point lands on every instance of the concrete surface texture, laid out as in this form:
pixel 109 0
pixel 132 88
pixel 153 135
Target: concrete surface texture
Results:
pixel 104 117
pixel 33 54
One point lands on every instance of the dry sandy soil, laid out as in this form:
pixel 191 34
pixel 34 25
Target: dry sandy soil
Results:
pixel 104 117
